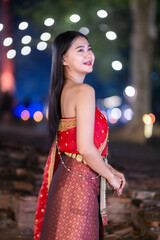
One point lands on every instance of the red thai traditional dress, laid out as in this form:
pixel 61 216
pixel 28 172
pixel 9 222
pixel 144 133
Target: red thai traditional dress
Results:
pixel 68 205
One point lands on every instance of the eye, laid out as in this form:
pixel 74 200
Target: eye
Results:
pixel 89 49
pixel 81 50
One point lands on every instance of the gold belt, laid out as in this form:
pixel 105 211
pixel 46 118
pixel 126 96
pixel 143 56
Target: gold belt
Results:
pixel 78 157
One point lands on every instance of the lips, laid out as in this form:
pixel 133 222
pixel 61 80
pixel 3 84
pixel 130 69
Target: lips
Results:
pixel 89 63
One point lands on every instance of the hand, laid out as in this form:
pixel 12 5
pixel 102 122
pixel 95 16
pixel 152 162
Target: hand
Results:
pixel 121 176
pixel 123 182
pixel 115 182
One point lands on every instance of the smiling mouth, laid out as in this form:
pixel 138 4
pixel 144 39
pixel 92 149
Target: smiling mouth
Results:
pixel 89 63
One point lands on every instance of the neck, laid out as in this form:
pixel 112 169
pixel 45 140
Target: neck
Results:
pixel 75 78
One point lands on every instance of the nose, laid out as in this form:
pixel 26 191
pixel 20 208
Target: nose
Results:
pixel 88 53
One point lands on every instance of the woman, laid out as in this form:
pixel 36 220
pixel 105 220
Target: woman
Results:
pixel 68 202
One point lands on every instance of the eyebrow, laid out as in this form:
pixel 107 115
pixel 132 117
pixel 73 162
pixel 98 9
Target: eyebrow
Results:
pixel 82 46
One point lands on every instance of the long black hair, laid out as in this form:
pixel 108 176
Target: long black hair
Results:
pixel 60 46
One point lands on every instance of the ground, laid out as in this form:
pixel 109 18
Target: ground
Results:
pixel 134 215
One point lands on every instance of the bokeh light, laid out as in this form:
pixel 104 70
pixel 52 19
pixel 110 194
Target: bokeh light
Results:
pixel 49 22
pixel 38 116
pixel 147 119
pixel 41 46
pixel 112 120
pixel 1 26
pixel 130 91
pixel 153 118
pixel 11 53
pixel 7 41
pixel 102 13
pixel 128 114
pixel 26 50
pixel 23 25
pixel 117 65
pixel 116 113
pixel 112 102
pixel 25 115
pixel 111 35
pixel 26 39
pixel 45 36
pixel 84 30
pixel 74 18
pixel 7 81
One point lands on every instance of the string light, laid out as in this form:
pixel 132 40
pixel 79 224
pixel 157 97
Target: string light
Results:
pixel 26 50
pixel 112 102
pixel 148 120
pixel 75 18
pixel 111 35
pixel 45 36
pixel 7 41
pixel 112 120
pixel 25 115
pixel 128 114
pixel 153 118
pixel 116 113
pixel 11 53
pixel 84 30
pixel 130 91
pixel 23 25
pixel 41 46
pixel 102 14
pixel 117 65
pixel 38 116
pixel 26 39
pixel 49 22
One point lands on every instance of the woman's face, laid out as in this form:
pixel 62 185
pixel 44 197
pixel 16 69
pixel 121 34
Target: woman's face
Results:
pixel 79 58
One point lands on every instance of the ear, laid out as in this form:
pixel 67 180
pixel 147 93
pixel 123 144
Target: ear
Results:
pixel 64 61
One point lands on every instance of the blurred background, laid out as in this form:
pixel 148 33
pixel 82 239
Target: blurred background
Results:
pixel 124 36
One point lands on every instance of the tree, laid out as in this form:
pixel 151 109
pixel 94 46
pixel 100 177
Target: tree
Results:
pixel 143 37
pixel 61 10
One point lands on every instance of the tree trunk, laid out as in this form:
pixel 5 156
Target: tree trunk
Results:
pixel 142 43
pixel 143 13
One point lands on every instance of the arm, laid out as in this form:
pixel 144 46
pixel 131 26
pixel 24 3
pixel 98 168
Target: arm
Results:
pixel 85 115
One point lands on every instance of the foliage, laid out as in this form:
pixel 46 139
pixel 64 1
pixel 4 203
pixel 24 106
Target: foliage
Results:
pixel 118 20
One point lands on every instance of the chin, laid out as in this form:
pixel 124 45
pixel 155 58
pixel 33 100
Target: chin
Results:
pixel 89 70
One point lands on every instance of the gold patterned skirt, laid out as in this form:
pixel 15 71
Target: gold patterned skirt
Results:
pixel 72 210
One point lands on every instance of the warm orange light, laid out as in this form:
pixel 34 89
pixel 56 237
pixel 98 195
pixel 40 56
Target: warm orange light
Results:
pixel 152 117
pixel 25 115
pixel 7 82
pixel 112 120
pixel 147 119
pixel 38 116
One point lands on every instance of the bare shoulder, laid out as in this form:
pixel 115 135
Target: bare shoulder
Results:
pixel 85 90
pixel 86 87
pixel 85 97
